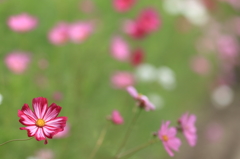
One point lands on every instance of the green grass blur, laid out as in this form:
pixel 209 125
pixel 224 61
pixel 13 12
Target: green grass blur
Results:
pixel 82 73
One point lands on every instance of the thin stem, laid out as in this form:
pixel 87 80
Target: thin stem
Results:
pixel 100 140
pixel 16 140
pixel 129 130
pixel 136 149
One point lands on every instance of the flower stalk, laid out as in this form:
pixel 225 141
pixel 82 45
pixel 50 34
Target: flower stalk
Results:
pixel 16 140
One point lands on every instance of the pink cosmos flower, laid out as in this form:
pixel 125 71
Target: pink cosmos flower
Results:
pixel 22 22
pixel 149 20
pixel 17 62
pixel 133 29
pixel 120 49
pixel 142 100
pixel 116 118
pixel 42 123
pixel 137 57
pixel 122 79
pixel 168 138
pixel 123 5
pixel 80 31
pixel 187 123
pixel 58 34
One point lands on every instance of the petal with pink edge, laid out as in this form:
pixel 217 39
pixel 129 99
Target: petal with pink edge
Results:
pixel 30 129
pixel 25 119
pixel 132 91
pixel 59 122
pixel 52 112
pixel 40 105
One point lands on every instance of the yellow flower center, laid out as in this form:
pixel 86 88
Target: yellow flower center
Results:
pixel 165 138
pixel 40 122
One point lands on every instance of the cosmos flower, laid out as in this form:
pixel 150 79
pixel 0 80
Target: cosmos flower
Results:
pixel 42 122
pixel 123 5
pixel 187 123
pixel 58 34
pixel 168 138
pixel 116 117
pixel 122 79
pixel 22 22
pixel 137 57
pixel 142 100
pixel 119 49
pixel 80 31
pixel 17 62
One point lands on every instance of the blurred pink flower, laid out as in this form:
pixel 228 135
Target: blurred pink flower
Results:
pixel 123 5
pixel 17 62
pixel 228 47
pixel 187 123
pixel 200 65
pixel 58 34
pixel 137 57
pixel 22 22
pixel 116 118
pixel 132 28
pixel 168 137
pixel 149 20
pixel 214 132
pixel 119 49
pixel 57 96
pixel 142 100
pixel 122 79
pixel 63 133
pixel 45 154
pixel 80 31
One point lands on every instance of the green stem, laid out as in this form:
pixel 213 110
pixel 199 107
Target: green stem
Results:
pixel 129 130
pixel 100 140
pixel 136 149
pixel 16 140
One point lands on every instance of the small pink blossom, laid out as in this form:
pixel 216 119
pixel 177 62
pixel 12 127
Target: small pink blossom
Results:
pixel 142 100
pixel 42 123
pixel 122 79
pixel 58 34
pixel 22 22
pixel 187 123
pixel 123 5
pixel 200 65
pixel 168 138
pixel 17 62
pixel 80 31
pixel 149 20
pixel 57 96
pixel 120 49
pixel 116 117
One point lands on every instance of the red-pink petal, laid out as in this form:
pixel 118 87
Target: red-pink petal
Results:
pixel 40 106
pixel 28 118
pixel 30 129
pixel 52 112
pixel 39 135
pixel 59 122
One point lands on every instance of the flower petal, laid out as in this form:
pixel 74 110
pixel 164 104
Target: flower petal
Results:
pixel 30 129
pixel 132 91
pixel 174 143
pixel 25 119
pixel 40 105
pixel 59 122
pixel 40 134
pixel 52 112
pixel 50 131
pixel 169 151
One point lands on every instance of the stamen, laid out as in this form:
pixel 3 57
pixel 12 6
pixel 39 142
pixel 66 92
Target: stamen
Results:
pixel 40 123
pixel 165 138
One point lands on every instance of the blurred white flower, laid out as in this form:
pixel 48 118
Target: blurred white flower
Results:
pixel 157 100
pixel 222 96
pixel 146 73
pixel 1 98
pixel 166 77
pixel 173 6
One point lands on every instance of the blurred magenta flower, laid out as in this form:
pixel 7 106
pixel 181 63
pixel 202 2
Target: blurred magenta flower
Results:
pixel 80 31
pixel 149 20
pixel 116 117
pixel 63 133
pixel 143 101
pixel 132 28
pixel 22 22
pixel 168 138
pixel 42 123
pixel 17 62
pixel 200 65
pixel 123 5
pixel 122 79
pixel 187 123
pixel 120 49
pixel 137 57
pixel 59 34
pixel 228 47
